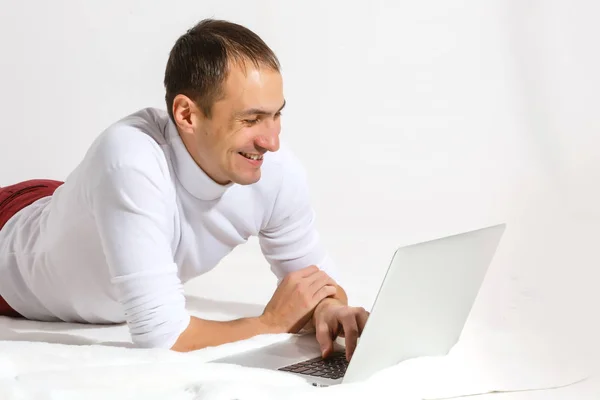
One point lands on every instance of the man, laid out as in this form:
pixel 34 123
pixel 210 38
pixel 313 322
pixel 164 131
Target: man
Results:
pixel 162 197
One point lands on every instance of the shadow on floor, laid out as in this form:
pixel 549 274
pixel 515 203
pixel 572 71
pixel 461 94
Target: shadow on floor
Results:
pixel 7 334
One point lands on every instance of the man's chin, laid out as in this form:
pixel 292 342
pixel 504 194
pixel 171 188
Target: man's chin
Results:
pixel 247 178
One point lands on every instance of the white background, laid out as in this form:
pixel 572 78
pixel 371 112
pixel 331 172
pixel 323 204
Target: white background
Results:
pixel 414 119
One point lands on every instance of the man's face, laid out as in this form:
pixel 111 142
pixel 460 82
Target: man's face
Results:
pixel 244 125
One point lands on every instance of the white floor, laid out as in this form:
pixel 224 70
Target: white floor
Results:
pixel 69 361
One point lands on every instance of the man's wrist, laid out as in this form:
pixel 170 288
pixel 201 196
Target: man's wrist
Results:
pixel 339 298
pixel 340 295
pixel 265 324
pixel 331 301
pixel 327 302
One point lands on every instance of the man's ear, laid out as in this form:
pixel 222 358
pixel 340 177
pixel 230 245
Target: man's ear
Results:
pixel 184 110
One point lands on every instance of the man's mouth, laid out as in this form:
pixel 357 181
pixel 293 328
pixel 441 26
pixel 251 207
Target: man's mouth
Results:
pixel 250 156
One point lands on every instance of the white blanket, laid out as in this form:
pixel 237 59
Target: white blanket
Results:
pixel 70 361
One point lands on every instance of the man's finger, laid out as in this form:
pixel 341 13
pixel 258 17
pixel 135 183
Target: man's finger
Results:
pixel 307 271
pixel 319 279
pixel 350 333
pixel 323 335
pixel 323 293
pixel 361 318
pixel 315 281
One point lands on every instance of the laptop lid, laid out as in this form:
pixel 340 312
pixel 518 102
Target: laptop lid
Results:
pixel 424 300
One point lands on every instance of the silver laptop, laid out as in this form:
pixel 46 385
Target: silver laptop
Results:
pixel 420 310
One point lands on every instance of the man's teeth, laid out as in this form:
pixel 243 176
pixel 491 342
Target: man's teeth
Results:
pixel 252 156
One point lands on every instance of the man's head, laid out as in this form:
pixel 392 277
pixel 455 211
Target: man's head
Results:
pixel 224 92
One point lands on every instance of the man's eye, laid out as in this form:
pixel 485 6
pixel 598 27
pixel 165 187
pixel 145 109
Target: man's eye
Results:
pixel 251 121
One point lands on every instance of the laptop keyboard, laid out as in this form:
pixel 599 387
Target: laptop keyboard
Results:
pixel 332 367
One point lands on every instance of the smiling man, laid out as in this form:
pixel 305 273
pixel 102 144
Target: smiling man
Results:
pixel 162 196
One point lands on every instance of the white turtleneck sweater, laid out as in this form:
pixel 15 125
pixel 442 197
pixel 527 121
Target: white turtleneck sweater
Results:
pixel 138 218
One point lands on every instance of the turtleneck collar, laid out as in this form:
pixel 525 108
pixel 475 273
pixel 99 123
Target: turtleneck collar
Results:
pixel 191 176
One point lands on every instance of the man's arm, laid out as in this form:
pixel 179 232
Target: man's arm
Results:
pixel 133 203
pixel 202 333
pixel 289 238
pixel 292 302
pixel 133 222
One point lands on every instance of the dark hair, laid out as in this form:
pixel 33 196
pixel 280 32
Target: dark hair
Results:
pixel 199 61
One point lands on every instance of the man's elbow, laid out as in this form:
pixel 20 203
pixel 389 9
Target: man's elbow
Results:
pixel 172 337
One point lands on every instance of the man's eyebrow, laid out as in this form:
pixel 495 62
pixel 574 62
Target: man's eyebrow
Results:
pixel 257 111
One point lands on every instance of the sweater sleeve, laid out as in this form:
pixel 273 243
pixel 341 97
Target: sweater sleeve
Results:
pixel 290 240
pixel 134 208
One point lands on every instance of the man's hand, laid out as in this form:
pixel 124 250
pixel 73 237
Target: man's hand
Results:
pixel 333 318
pixel 294 301
pixel 290 308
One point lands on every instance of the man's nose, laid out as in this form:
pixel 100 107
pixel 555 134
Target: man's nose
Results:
pixel 269 139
